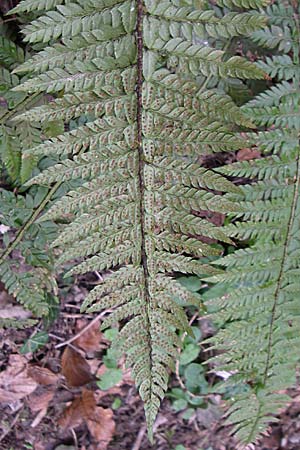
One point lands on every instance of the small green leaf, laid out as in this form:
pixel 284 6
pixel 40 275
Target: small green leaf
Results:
pixel 196 338
pixel 193 376
pixel 179 404
pixel 35 342
pixel 190 353
pixel 111 359
pixel 193 284
pixel 176 393
pixel 188 413
pixel 116 403
pixel 111 334
pixel 196 401
pixel 110 378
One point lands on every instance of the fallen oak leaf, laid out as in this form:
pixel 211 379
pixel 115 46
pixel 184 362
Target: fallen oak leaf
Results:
pixel 42 375
pixel 89 340
pixel 81 408
pixel 99 420
pixel 71 417
pixel 246 154
pixel 75 368
pixel 15 383
pixel 40 399
pixel 102 427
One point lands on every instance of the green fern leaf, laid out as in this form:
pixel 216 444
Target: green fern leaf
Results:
pixel 243 3
pixel 259 315
pixel 137 211
pixel 10 53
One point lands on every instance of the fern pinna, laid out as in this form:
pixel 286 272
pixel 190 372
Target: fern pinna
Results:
pixel 260 314
pixel 135 69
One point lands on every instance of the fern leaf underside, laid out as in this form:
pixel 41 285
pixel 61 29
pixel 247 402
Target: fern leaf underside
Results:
pixel 137 209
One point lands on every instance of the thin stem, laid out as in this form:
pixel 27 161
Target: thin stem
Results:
pixel 12 245
pixel 81 332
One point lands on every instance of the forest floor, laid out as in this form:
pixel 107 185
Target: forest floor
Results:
pixel 49 399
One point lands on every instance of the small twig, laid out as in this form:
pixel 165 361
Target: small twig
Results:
pixel 11 19
pixel 81 332
pixel 55 337
pixel 99 275
pixel 75 438
pixel 139 439
pixel 75 316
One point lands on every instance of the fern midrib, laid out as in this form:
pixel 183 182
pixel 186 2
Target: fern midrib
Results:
pixel 141 164
pixel 139 38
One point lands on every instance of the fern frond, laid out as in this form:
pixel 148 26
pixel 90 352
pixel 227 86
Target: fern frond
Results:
pixel 72 19
pixel 274 37
pixel 283 32
pixel 26 287
pixel 280 66
pixel 260 313
pixel 41 5
pixel 10 157
pixel 137 210
pixel 276 140
pixel 281 14
pixel 231 24
pixel 16 324
pixel 284 91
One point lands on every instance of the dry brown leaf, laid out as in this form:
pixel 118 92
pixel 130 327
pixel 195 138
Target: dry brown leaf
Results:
pixel 71 416
pixel 246 154
pixel 42 375
pixel 15 383
pixel 99 420
pixel 90 340
pixel 102 427
pixel 39 417
pixel 75 368
pixel 40 399
pixel 39 446
pixel 14 312
pixel 80 409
